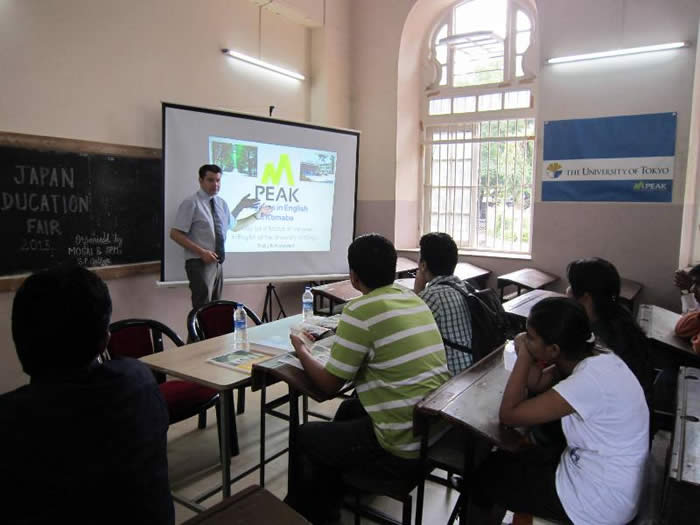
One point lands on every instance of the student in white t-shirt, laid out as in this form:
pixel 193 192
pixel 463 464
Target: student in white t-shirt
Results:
pixel 598 477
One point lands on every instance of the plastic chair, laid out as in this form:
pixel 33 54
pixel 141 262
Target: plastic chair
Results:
pixel 140 337
pixel 214 319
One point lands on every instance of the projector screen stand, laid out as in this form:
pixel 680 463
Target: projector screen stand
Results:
pixel 271 295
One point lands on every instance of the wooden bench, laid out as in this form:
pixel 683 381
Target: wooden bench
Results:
pixel 527 278
pixel 681 499
pixel 250 506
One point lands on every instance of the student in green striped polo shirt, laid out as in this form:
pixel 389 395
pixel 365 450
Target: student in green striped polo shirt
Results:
pixel 388 345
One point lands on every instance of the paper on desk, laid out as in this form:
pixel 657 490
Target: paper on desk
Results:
pixel 320 351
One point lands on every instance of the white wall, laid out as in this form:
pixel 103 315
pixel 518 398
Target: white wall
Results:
pixel 643 240
pixel 97 70
pixel 330 66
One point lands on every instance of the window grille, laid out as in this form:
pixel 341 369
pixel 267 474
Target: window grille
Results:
pixel 478 183
pixel 479 140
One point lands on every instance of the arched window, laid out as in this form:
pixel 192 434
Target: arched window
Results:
pixel 479 121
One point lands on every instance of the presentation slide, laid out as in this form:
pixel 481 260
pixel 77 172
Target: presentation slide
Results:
pixel 295 188
pixel 290 187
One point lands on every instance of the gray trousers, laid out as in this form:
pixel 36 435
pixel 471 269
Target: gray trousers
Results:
pixel 206 281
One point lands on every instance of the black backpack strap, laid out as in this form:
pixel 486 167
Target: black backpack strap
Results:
pixel 456 346
pixel 472 294
pixel 448 342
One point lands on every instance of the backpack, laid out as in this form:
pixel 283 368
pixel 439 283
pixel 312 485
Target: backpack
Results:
pixel 490 323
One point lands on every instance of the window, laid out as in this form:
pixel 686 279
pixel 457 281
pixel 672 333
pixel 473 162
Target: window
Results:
pixel 480 128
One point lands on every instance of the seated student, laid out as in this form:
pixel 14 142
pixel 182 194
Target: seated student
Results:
pixel 688 325
pixel 598 477
pixel 438 259
pixel 595 284
pixel 690 291
pixel 83 442
pixel 388 344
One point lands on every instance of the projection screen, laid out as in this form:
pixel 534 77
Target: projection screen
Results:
pixel 304 178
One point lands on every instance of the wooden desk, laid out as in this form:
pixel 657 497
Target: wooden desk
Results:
pixel 520 306
pixel 336 293
pixel 669 349
pixel 475 275
pixel 471 400
pixel 528 278
pixel 405 267
pixel 189 362
pixel 342 291
pixel 681 501
pixel 250 506
pixel 629 290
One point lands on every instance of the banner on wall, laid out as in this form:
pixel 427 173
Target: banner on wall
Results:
pixel 620 159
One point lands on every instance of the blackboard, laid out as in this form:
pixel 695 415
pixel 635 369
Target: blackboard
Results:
pixel 98 209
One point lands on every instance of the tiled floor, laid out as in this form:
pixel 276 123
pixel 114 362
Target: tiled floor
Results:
pixel 194 464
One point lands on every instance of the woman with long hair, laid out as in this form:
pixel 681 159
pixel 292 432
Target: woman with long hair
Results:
pixel 595 284
pixel 597 475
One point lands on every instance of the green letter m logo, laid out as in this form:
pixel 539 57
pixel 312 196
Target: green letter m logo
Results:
pixel 272 175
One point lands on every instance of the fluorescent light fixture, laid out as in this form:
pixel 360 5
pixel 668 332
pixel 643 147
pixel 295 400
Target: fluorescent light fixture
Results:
pixel 474 38
pixel 618 52
pixel 260 63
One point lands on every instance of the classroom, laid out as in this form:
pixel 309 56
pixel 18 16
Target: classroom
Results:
pixel 98 71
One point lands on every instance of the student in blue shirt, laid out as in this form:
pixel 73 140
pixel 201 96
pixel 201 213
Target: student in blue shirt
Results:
pixel 84 441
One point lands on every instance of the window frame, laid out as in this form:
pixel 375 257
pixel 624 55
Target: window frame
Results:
pixel 510 83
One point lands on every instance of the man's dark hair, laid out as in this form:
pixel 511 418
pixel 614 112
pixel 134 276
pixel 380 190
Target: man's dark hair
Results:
pixel 439 251
pixel 60 318
pixel 373 258
pixel 208 167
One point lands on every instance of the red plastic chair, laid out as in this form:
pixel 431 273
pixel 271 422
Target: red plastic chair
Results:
pixel 215 319
pixel 140 337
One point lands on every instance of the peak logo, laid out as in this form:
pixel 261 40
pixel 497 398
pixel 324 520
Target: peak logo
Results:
pixel 554 170
pixel 650 186
pixel 272 174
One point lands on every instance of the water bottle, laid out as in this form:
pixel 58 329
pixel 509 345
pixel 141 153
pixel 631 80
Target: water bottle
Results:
pixel 240 329
pixel 509 355
pixel 307 304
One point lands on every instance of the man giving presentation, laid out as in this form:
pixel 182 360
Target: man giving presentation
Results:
pixel 200 227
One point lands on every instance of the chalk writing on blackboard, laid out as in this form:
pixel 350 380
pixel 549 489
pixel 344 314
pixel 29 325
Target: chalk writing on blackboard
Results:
pixel 95 209
pixel 96 250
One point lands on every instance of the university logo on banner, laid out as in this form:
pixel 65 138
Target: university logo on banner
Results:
pixel 619 159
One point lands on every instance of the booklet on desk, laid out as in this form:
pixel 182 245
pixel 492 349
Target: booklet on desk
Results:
pixel 241 360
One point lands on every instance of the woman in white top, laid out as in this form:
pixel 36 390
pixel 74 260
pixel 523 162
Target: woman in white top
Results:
pixel 598 477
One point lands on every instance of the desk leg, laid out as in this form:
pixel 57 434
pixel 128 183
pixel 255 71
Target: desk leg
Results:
pixel 293 425
pixel 469 463
pixel 226 402
pixel 262 433
pixel 420 494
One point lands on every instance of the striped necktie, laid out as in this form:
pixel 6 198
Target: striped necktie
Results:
pixel 218 233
